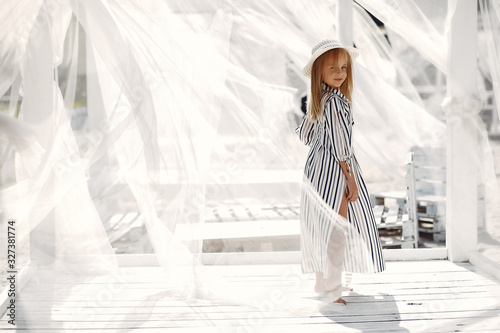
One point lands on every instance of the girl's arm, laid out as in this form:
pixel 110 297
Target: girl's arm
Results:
pixel 342 150
pixel 346 173
pixel 305 131
pixel 352 187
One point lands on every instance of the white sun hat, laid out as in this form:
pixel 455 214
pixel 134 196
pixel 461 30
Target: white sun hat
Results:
pixel 324 46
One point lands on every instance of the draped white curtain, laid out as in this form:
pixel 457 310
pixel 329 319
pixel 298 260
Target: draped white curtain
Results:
pixel 490 47
pixel 188 104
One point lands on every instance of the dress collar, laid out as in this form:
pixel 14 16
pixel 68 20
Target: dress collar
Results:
pixel 327 88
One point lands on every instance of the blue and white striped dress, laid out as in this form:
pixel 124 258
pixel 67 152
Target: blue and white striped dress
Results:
pixel 330 138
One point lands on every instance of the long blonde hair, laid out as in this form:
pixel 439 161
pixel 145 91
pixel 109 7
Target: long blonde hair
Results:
pixel 317 80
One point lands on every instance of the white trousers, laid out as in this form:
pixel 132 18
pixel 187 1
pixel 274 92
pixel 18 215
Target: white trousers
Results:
pixel 335 252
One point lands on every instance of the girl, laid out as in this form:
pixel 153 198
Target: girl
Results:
pixel 333 179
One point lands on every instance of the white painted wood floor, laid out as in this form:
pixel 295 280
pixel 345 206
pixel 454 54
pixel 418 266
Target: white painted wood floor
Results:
pixel 430 296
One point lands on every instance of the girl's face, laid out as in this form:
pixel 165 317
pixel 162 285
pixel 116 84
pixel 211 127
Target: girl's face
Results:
pixel 334 74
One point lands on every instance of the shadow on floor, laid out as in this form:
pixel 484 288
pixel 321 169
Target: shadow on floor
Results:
pixel 365 313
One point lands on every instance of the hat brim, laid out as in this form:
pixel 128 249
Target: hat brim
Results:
pixel 351 50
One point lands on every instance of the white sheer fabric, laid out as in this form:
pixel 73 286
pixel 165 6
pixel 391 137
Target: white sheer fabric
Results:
pixel 407 19
pixel 188 104
pixel 490 13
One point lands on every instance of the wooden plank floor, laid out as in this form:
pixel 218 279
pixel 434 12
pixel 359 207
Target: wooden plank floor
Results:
pixel 431 296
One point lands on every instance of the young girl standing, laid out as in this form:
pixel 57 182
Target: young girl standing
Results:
pixel 338 229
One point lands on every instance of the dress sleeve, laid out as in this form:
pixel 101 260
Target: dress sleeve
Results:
pixel 306 130
pixel 337 125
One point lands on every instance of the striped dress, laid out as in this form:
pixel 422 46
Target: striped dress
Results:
pixel 330 138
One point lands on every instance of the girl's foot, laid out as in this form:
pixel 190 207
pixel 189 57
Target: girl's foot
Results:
pixel 341 301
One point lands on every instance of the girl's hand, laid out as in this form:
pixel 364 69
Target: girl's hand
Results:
pixel 352 189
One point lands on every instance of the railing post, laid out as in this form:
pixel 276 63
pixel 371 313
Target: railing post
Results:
pixel 461 106
pixel 345 22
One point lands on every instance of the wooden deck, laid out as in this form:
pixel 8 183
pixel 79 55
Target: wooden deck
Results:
pixel 429 296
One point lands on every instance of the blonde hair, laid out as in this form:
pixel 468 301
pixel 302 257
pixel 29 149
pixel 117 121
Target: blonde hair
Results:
pixel 314 107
